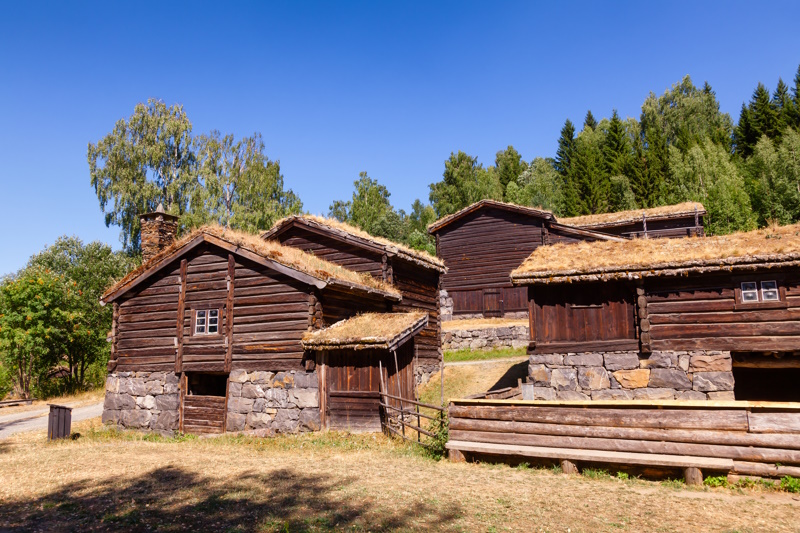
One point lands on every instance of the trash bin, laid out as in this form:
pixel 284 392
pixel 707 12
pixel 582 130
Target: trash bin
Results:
pixel 59 423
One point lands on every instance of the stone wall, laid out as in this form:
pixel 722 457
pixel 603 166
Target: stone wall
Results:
pixel 485 338
pixel 690 375
pixel 268 402
pixel 143 400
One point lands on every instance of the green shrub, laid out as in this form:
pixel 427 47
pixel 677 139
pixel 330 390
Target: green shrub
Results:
pixel 440 427
pixel 790 484
pixel 716 481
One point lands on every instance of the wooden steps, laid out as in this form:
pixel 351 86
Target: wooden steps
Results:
pixel 203 414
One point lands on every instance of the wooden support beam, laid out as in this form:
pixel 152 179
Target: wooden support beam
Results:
pixel 180 318
pixel 693 476
pixel 568 467
pixel 229 312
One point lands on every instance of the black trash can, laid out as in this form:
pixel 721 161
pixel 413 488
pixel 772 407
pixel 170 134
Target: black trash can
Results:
pixel 59 424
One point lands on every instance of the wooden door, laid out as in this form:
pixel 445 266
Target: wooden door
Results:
pixel 353 391
pixel 493 302
pixel 203 403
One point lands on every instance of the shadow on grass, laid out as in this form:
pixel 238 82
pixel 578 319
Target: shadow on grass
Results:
pixel 171 499
pixel 509 379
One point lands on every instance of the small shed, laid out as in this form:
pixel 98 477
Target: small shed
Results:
pixel 361 357
pixel 483 243
pixel 713 318
pixel 667 221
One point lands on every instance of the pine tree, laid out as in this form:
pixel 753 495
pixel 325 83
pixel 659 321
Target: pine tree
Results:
pixel 589 121
pixel 763 115
pixel 588 177
pixel 566 147
pixel 649 192
pixel 796 99
pixel 616 155
pixel 784 106
pixel 744 138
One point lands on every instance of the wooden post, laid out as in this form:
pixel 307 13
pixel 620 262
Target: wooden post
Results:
pixel 180 320
pixel 399 394
pixel 568 467
pixel 693 476
pixel 455 456
pixel 643 317
pixel 229 312
pixel 322 376
pixel 644 224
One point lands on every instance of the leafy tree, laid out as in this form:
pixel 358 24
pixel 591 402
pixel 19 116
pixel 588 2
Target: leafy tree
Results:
pixel 773 179
pixel 705 173
pixel 588 176
pixel 89 269
pixel 464 182
pixel 539 186
pixel 369 209
pixel 144 161
pixel 508 165
pixel 36 322
pixel 237 185
pixel 589 121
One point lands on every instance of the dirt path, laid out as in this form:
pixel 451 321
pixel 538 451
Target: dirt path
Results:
pixel 37 419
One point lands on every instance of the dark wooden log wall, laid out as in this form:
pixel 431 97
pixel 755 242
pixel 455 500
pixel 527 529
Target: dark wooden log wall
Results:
pixel 270 318
pixel 702 312
pixel 480 251
pixel 338 305
pixel 146 333
pixel 333 250
pixel 420 290
pixel 582 317
pixel 755 439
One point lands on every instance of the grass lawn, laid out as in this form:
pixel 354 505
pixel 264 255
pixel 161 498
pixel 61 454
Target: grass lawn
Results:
pixel 108 481
pixel 452 356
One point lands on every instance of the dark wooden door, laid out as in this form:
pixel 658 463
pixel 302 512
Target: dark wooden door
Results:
pixel 493 302
pixel 203 414
pixel 353 391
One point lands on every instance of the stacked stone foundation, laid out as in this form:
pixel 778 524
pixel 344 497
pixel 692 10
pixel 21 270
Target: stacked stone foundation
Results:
pixel 268 402
pixel 260 402
pixel 486 338
pixel 143 400
pixel 661 375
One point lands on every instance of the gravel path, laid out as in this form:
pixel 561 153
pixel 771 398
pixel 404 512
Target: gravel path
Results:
pixel 33 420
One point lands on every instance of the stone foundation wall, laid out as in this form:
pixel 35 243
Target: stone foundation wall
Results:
pixel 484 338
pixel 143 400
pixel 268 402
pixel 678 375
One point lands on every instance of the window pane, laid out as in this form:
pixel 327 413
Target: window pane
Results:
pixel 769 291
pixel 212 328
pixel 749 286
pixel 749 291
pixel 201 314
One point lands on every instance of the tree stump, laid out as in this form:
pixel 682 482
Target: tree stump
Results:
pixel 693 476
pixel 568 467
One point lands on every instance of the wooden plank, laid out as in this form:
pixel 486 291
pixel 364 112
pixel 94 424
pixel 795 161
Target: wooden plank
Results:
pixel 594 456
pixel 774 423
pixel 229 312
pixel 632 417
pixel 742 453
pixel 699 436
pixel 758 343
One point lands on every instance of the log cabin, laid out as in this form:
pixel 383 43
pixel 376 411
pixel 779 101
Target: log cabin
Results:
pixel 416 274
pixel 208 336
pixel 714 318
pixel 668 221
pixel 482 244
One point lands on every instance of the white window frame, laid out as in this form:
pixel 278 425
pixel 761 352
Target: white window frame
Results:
pixel 773 289
pixel 209 319
pixel 751 294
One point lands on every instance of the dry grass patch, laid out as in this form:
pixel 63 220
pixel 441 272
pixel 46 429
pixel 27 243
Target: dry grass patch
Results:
pixel 603 219
pixel 483 323
pixel 285 255
pixel 367 330
pixel 108 481
pixel 79 399
pixel 649 257
pixel 465 380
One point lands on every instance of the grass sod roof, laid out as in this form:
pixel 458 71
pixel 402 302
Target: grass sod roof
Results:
pixel 367 331
pixel 588 261
pixel 287 256
pixel 348 231
pixel 626 217
pixel 533 211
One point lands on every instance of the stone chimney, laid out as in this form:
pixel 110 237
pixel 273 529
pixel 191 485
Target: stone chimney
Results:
pixel 158 232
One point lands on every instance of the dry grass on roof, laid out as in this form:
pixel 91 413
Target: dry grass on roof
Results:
pixel 285 255
pixel 634 215
pixel 366 330
pixel 420 255
pixel 768 244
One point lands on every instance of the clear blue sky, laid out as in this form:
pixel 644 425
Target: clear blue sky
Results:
pixel 336 88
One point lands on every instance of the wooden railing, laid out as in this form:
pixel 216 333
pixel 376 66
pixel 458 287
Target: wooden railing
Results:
pixel 405 413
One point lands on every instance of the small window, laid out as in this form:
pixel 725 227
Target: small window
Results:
pixel 749 291
pixel 769 291
pixel 206 322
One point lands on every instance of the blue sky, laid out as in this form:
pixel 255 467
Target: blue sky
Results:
pixel 337 88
